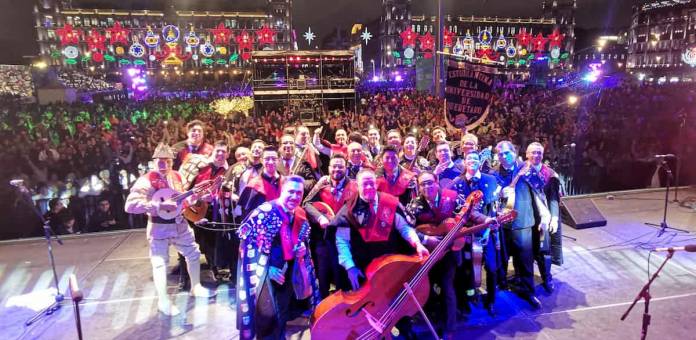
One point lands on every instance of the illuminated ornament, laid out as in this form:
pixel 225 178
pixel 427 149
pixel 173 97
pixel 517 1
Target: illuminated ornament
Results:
pixel 468 42
pixel 485 53
pixel 555 39
pixel 98 57
pixel 366 36
pixel 207 49
pixel 555 52
pixel 427 42
pixel 170 34
pixel 447 38
pixel 71 52
pixel 244 41
pixel 68 35
pixel 309 36
pixel 192 39
pixel 151 57
pixel 408 38
pixel 458 48
pixel 266 35
pixel 172 55
pixel 151 39
pixel 119 50
pixel 221 34
pixel 95 41
pixel 137 50
pixel 689 56
pixel 523 38
pixel 409 53
pixel 222 50
pixel 501 42
pixel 484 37
pixel 511 51
pixel 523 52
pixel 194 57
pixel 118 34
pixel 539 42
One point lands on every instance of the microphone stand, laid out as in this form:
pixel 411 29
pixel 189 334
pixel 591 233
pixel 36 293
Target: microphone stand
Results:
pixel 645 294
pixel 680 138
pixel 59 297
pixel 663 225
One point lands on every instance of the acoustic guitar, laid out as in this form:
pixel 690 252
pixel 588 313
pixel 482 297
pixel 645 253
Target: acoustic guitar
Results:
pixel 169 194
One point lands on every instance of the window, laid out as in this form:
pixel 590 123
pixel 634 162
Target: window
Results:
pixel 87 22
pixel 69 20
pixel 418 28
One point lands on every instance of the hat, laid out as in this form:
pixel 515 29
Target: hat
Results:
pixel 163 151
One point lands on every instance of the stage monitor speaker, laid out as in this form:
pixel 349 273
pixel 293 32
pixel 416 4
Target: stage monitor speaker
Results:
pixel 581 213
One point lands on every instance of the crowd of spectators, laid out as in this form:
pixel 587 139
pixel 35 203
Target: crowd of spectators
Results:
pixel 78 158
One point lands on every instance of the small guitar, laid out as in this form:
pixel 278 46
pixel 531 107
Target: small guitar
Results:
pixel 169 194
pixel 422 146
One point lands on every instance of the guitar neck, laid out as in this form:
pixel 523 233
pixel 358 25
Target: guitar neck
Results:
pixel 183 196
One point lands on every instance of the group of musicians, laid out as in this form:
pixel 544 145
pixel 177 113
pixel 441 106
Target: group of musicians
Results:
pixel 291 236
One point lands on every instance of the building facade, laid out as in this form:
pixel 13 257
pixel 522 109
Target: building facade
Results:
pixel 662 33
pixel 80 34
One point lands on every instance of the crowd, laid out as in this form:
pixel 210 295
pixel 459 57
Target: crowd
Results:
pixel 95 150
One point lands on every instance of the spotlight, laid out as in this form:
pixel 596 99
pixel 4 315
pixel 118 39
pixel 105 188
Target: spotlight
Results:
pixel 572 99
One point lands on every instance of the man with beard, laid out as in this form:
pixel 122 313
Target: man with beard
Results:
pixel 394 179
pixel 290 162
pixel 322 202
pixel 264 187
pixel 432 206
pixel 410 158
pixel 161 233
pixel 273 261
pixel 356 160
pixel 371 225
pixel 254 167
pixel 471 180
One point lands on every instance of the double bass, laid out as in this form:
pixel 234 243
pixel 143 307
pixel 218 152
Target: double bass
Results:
pixel 374 309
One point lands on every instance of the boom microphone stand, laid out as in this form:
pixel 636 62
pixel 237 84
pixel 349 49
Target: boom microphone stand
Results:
pixel 24 192
pixel 663 225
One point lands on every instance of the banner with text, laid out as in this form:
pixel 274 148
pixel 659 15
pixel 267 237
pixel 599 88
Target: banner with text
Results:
pixel 468 93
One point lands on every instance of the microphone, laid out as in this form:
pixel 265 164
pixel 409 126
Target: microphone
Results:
pixel 691 248
pixel 17 182
pixel 669 155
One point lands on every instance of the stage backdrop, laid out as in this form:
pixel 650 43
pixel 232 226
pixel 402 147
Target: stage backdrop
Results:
pixel 468 93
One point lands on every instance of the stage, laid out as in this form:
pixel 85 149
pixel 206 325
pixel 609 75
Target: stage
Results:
pixel 603 272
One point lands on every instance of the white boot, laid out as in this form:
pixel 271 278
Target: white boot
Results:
pixel 159 276
pixel 197 290
pixel 165 306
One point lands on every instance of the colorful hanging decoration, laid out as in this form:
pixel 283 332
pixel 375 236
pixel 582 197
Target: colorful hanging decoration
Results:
pixel 192 40
pixel 137 50
pixel 118 34
pixel 68 35
pixel 485 37
pixel 221 34
pixel 523 38
pixel 539 42
pixel 555 52
pixel 244 41
pixel 222 50
pixel 366 36
pixel 511 51
pixel 95 41
pixel 468 42
pixel 448 38
pixel 172 55
pixel 170 34
pixel 689 56
pixel 408 37
pixel 458 47
pixel 151 39
pixel 207 49
pixel 555 39
pixel 266 35
pixel 71 52
pixel 427 43
pixel 501 42
pixel 309 36
pixel 97 57
pixel 119 50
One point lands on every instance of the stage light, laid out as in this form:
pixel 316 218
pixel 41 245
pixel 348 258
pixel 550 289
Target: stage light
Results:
pixel 40 65
pixel 572 99
pixel 375 78
pixel 398 78
pixel 132 72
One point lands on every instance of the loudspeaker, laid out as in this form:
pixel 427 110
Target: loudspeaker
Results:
pixel 581 213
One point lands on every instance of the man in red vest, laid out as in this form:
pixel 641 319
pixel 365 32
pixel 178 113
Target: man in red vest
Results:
pixel 264 187
pixel 393 178
pixel 275 268
pixel 323 201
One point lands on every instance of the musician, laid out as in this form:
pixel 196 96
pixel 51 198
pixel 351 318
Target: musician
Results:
pixel 438 135
pixel 432 206
pixel 302 141
pixel 374 148
pixel 254 167
pixel 331 191
pixel 470 142
pixel 328 149
pixel 273 262
pixel 264 187
pixel 356 160
pixel 446 171
pixel 290 162
pixel 546 188
pixel 160 232
pixel 194 143
pixel 518 234
pixel 394 139
pixel 471 180
pixel 393 178
pixel 410 151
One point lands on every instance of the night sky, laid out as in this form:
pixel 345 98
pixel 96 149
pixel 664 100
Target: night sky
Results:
pixel 323 16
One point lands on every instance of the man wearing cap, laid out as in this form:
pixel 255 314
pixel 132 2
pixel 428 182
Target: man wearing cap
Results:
pixel 163 232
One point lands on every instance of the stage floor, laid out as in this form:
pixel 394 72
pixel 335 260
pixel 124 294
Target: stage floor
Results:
pixel 604 270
